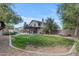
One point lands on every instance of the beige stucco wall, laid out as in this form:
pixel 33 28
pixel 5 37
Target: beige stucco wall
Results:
pixel 36 24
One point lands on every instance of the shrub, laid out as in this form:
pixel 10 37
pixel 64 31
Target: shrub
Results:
pixel 9 33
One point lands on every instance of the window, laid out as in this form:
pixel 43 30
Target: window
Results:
pixel 34 25
pixel 39 24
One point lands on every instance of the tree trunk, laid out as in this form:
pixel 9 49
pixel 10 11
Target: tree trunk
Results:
pixel 76 30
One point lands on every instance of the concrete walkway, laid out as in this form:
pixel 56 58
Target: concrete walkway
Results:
pixel 4 46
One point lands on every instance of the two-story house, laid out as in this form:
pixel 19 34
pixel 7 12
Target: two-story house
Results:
pixel 36 26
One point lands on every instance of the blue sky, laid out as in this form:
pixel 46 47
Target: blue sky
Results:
pixel 36 11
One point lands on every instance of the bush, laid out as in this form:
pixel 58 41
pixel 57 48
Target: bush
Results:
pixel 45 30
pixel 9 33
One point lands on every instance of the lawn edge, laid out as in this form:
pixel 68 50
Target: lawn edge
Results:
pixel 62 54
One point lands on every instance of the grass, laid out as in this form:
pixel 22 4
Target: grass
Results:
pixel 21 41
pixel 77 46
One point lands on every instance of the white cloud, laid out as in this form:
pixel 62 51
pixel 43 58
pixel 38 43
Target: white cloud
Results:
pixel 18 25
pixel 27 20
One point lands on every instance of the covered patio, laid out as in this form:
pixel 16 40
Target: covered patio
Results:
pixel 31 29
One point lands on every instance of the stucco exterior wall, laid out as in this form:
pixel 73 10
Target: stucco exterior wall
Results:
pixel 36 24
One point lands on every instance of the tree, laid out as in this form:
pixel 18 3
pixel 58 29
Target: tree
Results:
pixel 7 15
pixel 69 14
pixel 50 25
pixel 25 26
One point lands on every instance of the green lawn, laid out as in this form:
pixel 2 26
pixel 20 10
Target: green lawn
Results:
pixel 77 46
pixel 21 41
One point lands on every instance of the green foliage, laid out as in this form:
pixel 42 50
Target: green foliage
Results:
pixel 21 41
pixel 9 26
pixel 69 14
pixel 77 46
pixel 7 15
pixel 9 33
pixel 25 26
pixel 68 26
pixel 45 29
pixel 50 25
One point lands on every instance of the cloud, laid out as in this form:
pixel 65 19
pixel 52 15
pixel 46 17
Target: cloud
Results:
pixel 18 25
pixel 29 19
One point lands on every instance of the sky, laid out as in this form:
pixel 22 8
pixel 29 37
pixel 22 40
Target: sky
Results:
pixel 36 11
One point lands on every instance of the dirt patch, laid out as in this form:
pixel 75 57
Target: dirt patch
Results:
pixel 57 49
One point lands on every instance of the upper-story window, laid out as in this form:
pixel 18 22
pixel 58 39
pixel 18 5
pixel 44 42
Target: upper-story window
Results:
pixel 34 25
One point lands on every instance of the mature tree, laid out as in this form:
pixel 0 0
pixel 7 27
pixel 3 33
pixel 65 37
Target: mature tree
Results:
pixel 50 25
pixel 7 15
pixel 69 14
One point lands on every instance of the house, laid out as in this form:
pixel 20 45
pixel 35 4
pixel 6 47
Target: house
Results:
pixel 35 26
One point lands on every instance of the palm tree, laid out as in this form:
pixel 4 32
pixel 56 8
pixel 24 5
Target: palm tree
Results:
pixel 50 25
